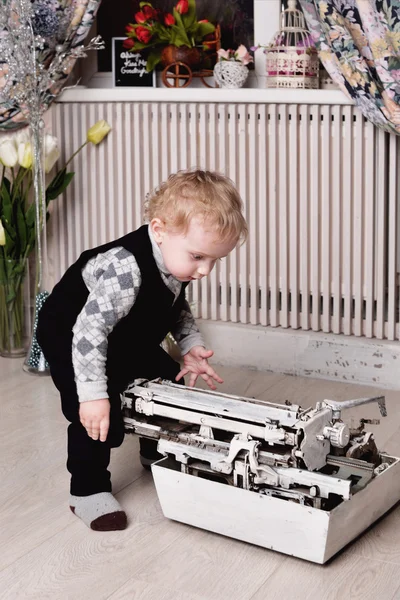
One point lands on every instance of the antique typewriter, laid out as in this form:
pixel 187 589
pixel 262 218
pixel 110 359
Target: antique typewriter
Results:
pixel 299 481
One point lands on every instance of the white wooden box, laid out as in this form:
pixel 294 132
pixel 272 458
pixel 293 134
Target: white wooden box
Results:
pixel 287 527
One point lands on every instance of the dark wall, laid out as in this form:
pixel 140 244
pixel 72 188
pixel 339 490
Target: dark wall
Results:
pixel 236 18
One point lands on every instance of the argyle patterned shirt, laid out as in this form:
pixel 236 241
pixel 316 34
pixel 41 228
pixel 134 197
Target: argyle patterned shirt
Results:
pixel 113 279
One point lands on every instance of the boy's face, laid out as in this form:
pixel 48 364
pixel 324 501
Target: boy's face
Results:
pixel 191 255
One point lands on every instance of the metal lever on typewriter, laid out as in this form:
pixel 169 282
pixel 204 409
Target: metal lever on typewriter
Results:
pixel 244 442
pixel 339 406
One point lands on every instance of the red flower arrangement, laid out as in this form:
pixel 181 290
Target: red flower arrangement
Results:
pixel 154 30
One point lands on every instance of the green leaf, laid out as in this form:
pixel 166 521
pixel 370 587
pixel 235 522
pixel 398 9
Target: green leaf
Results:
pixel 16 190
pixel 7 186
pixel 179 28
pixel 138 46
pixel 60 182
pixel 7 208
pixel 153 59
pixel 203 29
pixel 180 40
pixel 189 18
pixel 22 233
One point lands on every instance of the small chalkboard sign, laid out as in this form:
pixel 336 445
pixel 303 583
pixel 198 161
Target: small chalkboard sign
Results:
pixel 129 68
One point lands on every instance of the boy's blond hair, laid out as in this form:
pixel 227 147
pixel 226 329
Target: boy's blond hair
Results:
pixel 197 193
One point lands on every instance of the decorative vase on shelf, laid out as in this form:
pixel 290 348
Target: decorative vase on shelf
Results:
pixel 230 74
pixel 189 56
pixel 15 320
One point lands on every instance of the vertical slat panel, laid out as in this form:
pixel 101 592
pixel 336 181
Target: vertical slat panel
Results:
pixel 69 144
pixel 118 165
pixel 283 215
pixel 75 233
pixel 155 145
pixel 326 217
pixel 380 237
pixel 223 157
pixel 358 200
pixel 369 228
pixel 138 180
pixel 273 214
pixel 97 182
pixel 321 203
pixel 174 137
pixel 193 148
pixel 294 178
pixel 263 218
pixel 242 185
pixel 213 279
pixel 84 187
pixel 128 167
pixel 146 148
pixel 112 211
pixel 398 230
pixel 204 164
pixel 58 227
pixel 336 321
pixel 392 238
pixel 304 216
pixel 314 192
pixel 102 163
pixel 233 259
pixel 253 203
pixel 347 218
pixel 184 136
pixel 165 151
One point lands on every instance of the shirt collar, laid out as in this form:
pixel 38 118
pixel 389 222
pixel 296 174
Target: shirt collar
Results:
pixel 158 257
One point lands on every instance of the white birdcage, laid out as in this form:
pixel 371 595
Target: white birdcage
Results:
pixel 291 60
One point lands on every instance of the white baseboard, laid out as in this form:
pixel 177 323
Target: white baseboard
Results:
pixel 326 356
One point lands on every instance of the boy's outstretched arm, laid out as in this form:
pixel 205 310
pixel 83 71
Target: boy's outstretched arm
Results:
pixel 196 363
pixel 192 346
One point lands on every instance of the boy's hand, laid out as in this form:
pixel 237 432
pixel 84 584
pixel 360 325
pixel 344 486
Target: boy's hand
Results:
pixel 95 417
pixel 195 363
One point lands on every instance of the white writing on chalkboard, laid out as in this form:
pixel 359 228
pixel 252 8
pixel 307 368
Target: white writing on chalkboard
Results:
pixel 134 64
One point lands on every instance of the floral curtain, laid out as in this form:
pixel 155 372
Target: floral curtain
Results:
pixel 75 18
pixel 359 45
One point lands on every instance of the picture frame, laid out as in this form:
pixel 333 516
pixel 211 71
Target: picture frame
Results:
pixel 129 68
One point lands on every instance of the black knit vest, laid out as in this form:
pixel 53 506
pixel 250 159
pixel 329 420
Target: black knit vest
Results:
pixel 152 316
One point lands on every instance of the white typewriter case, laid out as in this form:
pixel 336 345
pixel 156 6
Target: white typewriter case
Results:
pixel 269 521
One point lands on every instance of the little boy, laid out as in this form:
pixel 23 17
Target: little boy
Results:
pixel 103 324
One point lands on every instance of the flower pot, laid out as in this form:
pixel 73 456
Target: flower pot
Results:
pixel 230 74
pixel 192 57
pixel 14 307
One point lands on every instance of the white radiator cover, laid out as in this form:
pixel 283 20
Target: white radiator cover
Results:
pixel 321 192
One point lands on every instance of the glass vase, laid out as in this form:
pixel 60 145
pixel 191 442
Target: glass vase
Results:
pixel 35 362
pixel 15 321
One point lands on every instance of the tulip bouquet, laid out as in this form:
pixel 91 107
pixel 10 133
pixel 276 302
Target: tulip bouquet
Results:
pixel 154 30
pixel 18 219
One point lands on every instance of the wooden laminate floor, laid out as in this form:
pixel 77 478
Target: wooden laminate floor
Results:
pixel 47 553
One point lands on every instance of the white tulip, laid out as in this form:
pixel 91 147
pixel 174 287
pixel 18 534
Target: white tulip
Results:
pixel 51 152
pixel 22 136
pixel 2 235
pixel 8 152
pixel 25 156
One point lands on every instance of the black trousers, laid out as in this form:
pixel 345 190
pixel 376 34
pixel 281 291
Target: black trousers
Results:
pixel 88 459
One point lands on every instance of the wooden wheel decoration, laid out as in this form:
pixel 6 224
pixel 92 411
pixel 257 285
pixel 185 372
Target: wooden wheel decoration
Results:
pixel 177 74
pixel 204 74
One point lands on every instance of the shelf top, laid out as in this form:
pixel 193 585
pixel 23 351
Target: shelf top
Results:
pixel 204 95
